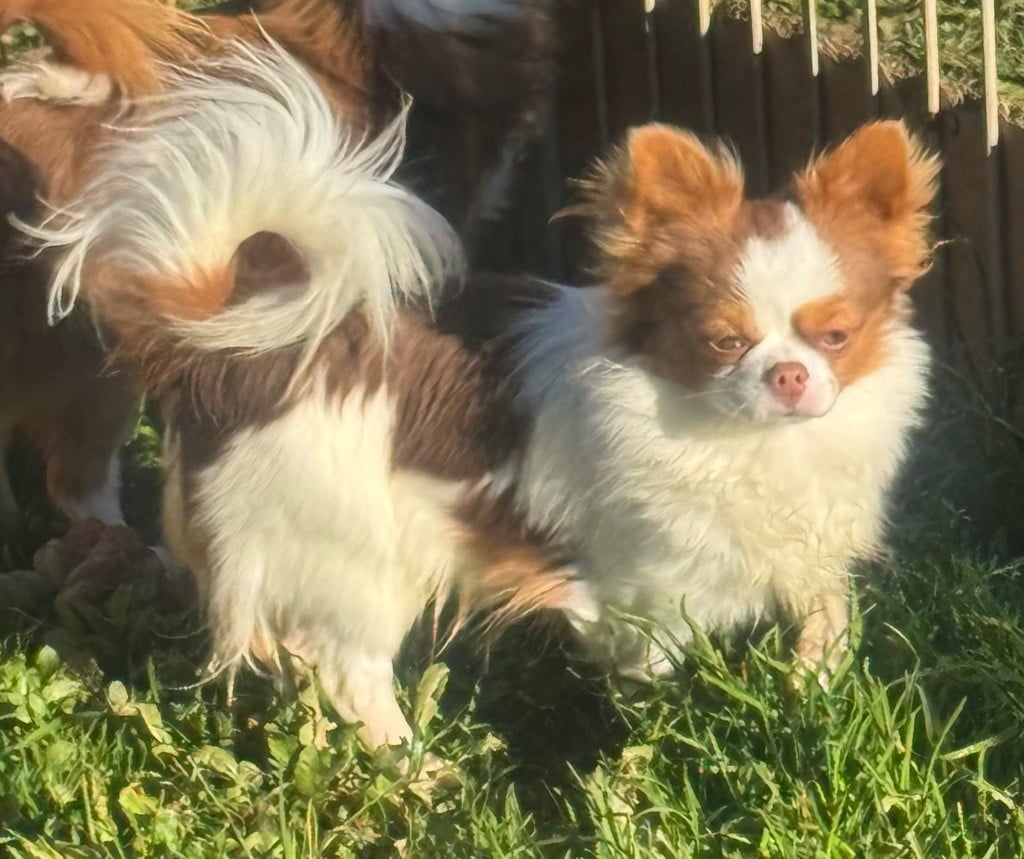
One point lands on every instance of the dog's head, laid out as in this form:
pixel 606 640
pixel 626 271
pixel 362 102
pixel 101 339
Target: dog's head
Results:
pixel 769 308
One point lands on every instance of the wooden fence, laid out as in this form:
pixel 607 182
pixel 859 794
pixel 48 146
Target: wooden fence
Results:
pixel 625 62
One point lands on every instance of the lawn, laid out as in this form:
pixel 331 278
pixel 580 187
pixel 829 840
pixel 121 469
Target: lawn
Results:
pixel 110 749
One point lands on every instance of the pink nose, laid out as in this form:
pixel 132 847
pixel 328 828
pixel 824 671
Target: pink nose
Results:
pixel 788 381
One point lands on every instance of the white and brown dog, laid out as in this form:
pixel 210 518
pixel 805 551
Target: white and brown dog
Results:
pixel 479 73
pixel 715 428
pixel 328 453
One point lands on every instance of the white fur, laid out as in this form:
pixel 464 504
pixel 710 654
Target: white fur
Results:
pixel 776 277
pixel 317 542
pixel 43 79
pixel 250 144
pixel 673 506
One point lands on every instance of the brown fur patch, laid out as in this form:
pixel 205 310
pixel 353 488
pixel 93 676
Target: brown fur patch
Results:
pixel 862 322
pixel 53 387
pixel 59 140
pixel 518 573
pixel 869 200
pixel 56 390
pixel 124 39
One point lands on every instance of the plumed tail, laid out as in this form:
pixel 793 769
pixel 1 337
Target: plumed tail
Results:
pixel 238 214
pixel 481 74
pixel 123 40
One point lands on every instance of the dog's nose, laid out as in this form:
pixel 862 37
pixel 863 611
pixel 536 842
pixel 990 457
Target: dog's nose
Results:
pixel 788 381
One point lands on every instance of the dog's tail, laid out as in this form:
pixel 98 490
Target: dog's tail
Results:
pixel 124 40
pixel 236 215
pixel 481 74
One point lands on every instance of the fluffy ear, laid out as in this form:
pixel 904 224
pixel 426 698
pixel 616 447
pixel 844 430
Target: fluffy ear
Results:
pixel 881 176
pixel 881 167
pixel 673 174
pixel 267 261
pixel 664 194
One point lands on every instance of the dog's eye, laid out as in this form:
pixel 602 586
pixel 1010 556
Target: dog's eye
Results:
pixel 730 344
pixel 835 339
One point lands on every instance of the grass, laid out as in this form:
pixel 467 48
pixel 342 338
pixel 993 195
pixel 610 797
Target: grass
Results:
pixel 110 750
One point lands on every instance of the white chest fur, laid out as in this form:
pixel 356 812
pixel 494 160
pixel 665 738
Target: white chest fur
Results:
pixel 671 507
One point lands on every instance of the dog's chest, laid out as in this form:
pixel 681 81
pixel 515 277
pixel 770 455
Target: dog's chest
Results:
pixel 727 520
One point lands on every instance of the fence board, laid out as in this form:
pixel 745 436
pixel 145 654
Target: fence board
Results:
pixel 739 98
pixel 683 62
pixel 629 91
pixel 581 129
pixel 1011 153
pixel 791 106
pixel 846 100
pixel 973 278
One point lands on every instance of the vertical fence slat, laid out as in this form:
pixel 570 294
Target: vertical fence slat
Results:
pixel 1011 156
pixel 810 11
pixel 704 16
pixel 756 27
pixel 684 66
pixel 871 43
pixel 628 90
pixel 988 24
pixel 792 107
pixel 973 276
pixel 580 123
pixel 933 295
pixel 931 54
pixel 742 120
pixel 846 101
pixel 1011 153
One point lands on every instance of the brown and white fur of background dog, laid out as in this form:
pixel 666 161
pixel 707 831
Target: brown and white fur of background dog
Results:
pixel 480 85
pixel 328 453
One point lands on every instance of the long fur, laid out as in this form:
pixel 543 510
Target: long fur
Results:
pixel 247 144
pixel 122 39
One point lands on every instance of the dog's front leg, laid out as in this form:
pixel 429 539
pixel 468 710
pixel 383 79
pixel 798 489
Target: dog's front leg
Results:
pixel 361 686
pixel 825 632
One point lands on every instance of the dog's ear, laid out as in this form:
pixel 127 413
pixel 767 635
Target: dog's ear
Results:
pixel 267 261
pixel 879 182
pixel 881 167
pixel 663 199
pixel 671 174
